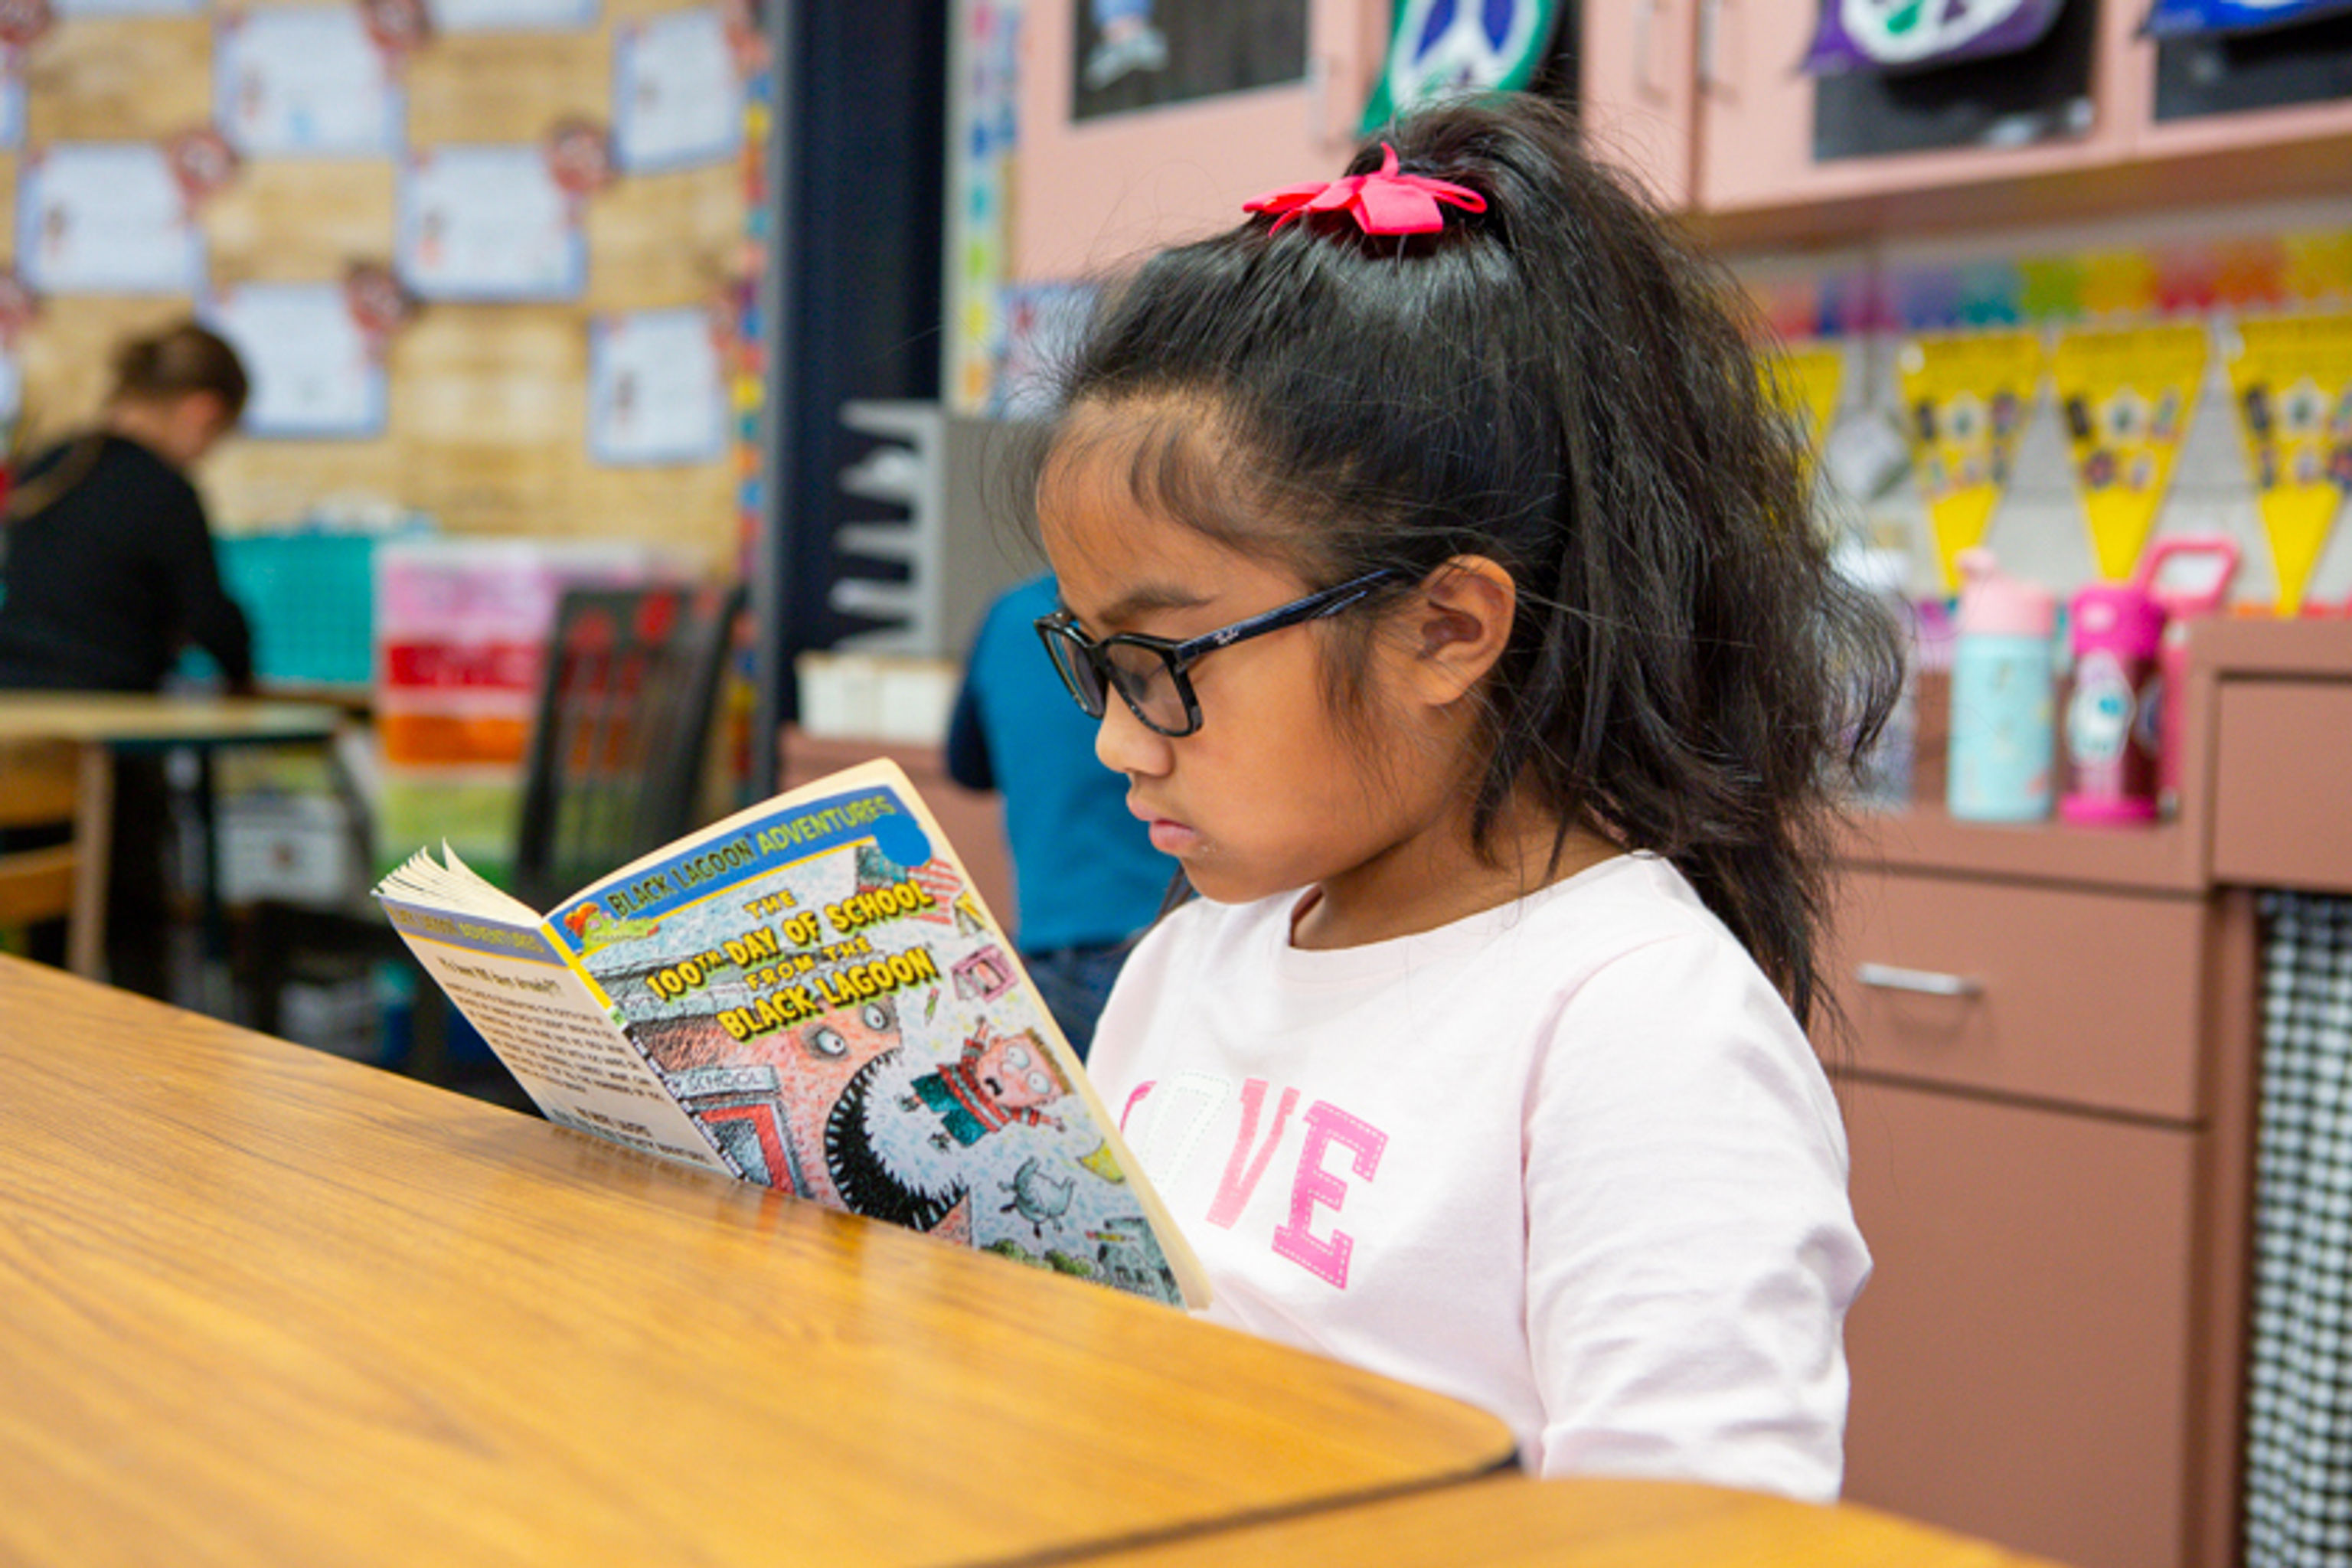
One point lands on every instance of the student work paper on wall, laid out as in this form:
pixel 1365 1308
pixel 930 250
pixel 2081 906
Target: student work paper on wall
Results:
pixel 513 15
pixel 12 99
pixel 489 222
pixel 105 218
pixel 655 391
pixel 304 82
pixel 80 8
pixel 314 372
pixel 676 100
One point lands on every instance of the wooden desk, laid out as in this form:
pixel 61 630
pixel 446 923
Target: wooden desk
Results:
pixel 260 1305
pixel 1521 1523
pixel 121 718
pixel 102 721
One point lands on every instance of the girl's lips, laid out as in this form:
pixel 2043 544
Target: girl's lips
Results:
pixel 1168 835
pixel 1171 837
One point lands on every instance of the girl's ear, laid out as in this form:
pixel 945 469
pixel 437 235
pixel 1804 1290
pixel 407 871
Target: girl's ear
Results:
pixel 1460 626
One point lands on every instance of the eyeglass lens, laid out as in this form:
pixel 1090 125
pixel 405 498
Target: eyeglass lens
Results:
pixel 1078 670
pixel 1144 678
pixel 1140 674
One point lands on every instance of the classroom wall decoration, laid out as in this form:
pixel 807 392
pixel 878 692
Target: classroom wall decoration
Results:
pixel 2125 396
pixel 1440 47
pixel 316 366
pixel 1138 54
pixel 2188 18
pixel 984 133
pixel 1965 400
pixel 2137 336
pixel 1806 379
pixel 488 223
pixel 79 9
pixel 1910 35
pixel 513 15
pixel 2286 271
pixel 656 392
pixel 305 81
pixel 677 101
pixel 12 101
pixel 412 215
pixel 106 217
pixel 2291 377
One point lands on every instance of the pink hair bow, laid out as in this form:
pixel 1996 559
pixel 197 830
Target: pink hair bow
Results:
pixel 1382 202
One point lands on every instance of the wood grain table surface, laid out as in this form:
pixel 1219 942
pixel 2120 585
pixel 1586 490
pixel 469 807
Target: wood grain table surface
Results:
pixel 1516 1522
pixel 262 1306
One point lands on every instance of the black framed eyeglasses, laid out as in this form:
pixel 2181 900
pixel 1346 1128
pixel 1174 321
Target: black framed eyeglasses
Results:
pixel 1149 674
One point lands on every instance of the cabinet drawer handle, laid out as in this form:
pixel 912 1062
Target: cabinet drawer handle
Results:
pixel 1925 982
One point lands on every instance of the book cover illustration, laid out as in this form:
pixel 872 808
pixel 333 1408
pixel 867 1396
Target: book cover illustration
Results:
pixel 824 996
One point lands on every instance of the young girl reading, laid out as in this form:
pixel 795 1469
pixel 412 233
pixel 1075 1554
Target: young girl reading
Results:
pixel 1444 584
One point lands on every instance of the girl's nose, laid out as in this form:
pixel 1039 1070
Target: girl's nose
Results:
pixel 1125 744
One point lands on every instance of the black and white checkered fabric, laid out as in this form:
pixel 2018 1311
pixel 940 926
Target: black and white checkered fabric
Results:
pixel 2299 1397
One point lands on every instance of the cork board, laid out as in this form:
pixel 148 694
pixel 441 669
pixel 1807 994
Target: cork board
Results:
pixel 487 404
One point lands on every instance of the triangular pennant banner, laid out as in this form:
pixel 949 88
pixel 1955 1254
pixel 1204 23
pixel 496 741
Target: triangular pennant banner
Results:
pixel 2125 396
pixel 2291 380
pixel 1805 379
pixel 1966 399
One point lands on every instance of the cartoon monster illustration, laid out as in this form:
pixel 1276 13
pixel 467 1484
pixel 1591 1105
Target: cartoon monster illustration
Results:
pixel 880 1171
pixel 813 1063
pixel 999 1079
pixel 909 1140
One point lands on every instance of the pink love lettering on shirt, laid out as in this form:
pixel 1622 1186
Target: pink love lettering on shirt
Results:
pixel 1326 1257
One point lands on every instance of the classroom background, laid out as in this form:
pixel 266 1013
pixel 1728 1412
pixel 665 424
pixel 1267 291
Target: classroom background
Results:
pixel 546 293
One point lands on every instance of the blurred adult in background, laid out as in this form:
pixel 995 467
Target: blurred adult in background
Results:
pixel 109 568
pixel 1085 878
pixel 107 571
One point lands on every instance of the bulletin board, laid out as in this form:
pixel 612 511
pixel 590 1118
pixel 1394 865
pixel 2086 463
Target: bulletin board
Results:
pixel 485 417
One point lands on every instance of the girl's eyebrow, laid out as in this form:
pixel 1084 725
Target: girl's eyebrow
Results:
pixel 1145 599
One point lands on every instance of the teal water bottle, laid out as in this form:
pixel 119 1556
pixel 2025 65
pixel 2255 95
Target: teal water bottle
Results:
pixel 2004 677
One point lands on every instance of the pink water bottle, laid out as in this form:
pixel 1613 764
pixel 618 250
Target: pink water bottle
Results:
pixel 2200 567
pixel 2108 736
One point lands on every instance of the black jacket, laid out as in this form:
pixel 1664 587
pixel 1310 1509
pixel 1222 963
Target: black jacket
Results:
pixel 100 587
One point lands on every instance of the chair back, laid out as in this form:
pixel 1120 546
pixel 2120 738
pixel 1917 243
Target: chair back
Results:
pixel 61 790
pixel 622 735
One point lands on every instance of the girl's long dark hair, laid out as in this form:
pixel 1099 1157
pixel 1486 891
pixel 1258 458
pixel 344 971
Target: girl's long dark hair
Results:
pixel 1561 384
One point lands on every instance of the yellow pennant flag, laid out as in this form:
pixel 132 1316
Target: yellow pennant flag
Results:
pixel 2125 396
pixel 1966 399
pixel 1804 379
pixel 2290 378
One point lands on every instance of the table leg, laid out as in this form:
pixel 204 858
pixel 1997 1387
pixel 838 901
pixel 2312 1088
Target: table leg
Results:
pixel 214 983
pixel 93 842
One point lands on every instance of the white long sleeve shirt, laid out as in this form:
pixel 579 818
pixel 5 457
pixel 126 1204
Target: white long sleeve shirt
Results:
pixel 1570 1160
